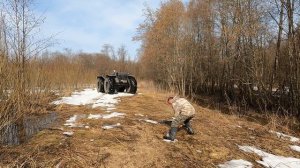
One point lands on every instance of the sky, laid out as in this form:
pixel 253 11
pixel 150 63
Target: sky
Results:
pixel 86 25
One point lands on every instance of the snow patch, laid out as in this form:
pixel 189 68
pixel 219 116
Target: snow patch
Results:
pixel 92 97
pixel 109 100
pixel 94 116
pixel 71 122
pixel 87 96
pixel 68 133
pixel 72 119
pixel 74 125
pixel 272 161
pixel 284 136
pixel 114 114
pixel 105 116
pixel 106 127
pixel 236 164
pixel 110 108
pixel 295 148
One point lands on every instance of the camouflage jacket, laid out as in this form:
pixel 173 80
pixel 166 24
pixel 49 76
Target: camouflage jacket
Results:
pixel 182 107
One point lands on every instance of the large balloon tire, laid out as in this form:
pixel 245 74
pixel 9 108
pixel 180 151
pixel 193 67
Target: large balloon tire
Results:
pixel 100 85
pixel 108 86
pixel 132 85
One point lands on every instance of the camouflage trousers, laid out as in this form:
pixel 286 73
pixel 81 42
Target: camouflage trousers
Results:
pixel 181 119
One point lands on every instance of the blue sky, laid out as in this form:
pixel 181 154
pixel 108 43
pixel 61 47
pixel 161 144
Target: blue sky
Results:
pixel 85 25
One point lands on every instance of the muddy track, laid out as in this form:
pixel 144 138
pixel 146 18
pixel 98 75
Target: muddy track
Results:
pixel 134 142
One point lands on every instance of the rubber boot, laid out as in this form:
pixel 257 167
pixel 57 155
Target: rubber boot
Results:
pixel 188 128
pixel 171 134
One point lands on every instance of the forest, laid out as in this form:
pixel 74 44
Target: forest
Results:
pixel 244 53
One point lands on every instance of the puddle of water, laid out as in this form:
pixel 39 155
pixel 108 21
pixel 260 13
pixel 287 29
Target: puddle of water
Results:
pixel 14 134
pixel 9 135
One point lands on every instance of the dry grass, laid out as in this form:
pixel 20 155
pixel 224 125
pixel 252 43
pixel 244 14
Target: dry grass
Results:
pixel 139 144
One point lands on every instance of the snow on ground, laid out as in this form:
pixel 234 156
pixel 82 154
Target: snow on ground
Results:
pixel 87 96
pixel 94 98
pixel 72 121
pixel 109 100
pixel 114 114
pixel 284 136
pixel 272 161
pixel 295 148
pixel 109 109
pixel 105 116
pixel 94 116
pixel 236 164
pixel 111 126
pixel 68 133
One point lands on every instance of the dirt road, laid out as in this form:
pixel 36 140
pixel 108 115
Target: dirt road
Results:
pixel 126 134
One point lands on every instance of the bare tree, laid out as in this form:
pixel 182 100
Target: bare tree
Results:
pixel 122 58
pixel 227 48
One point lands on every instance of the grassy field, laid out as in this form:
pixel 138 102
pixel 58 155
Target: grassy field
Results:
pixel 136 143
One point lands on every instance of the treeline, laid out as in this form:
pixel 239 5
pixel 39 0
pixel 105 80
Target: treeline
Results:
pixel 69 71
pixel 245 52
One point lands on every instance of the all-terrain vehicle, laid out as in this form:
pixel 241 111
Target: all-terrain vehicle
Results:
pixel 117 82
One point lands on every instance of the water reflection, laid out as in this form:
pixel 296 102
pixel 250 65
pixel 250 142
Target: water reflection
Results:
pixel 14 134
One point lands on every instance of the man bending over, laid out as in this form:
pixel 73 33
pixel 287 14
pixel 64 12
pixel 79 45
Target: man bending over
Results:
pixel 184 112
